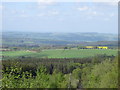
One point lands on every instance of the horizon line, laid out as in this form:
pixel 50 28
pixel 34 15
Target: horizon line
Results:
pixel 57 32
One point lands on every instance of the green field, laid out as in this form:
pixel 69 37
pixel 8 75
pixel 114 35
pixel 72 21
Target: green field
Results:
pixel 61 53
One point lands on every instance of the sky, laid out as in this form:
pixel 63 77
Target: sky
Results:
pixel 101 17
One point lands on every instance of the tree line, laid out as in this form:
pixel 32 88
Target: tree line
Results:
pixel 95 72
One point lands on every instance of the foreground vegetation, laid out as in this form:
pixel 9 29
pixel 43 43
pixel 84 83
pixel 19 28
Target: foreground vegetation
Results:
pixel 96 72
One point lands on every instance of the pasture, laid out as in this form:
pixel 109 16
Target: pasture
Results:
pixel 61 53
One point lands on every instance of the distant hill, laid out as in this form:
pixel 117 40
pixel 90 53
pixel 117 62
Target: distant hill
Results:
pixel 30 38
pixel 63 36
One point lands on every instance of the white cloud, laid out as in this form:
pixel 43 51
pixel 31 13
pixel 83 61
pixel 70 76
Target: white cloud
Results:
pixel 104 0
pixel 53 12
pixel 95 13
pixel 43 4
pixel 46 2
pixel 49 13
pixel 60 0
pixel 112 3
pixel 83 8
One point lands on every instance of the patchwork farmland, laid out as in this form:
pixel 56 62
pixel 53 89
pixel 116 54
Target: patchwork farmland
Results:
pixel 60 53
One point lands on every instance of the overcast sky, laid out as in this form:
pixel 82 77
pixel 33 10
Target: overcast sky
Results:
pixel 60 17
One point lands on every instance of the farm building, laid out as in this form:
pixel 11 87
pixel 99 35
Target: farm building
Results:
pixel 96 47
pixel 93 47
pixel 102 47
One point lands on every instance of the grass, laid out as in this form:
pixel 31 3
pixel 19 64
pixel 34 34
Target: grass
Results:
pixel 61 53
pixel 74 53
pixel 16 53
